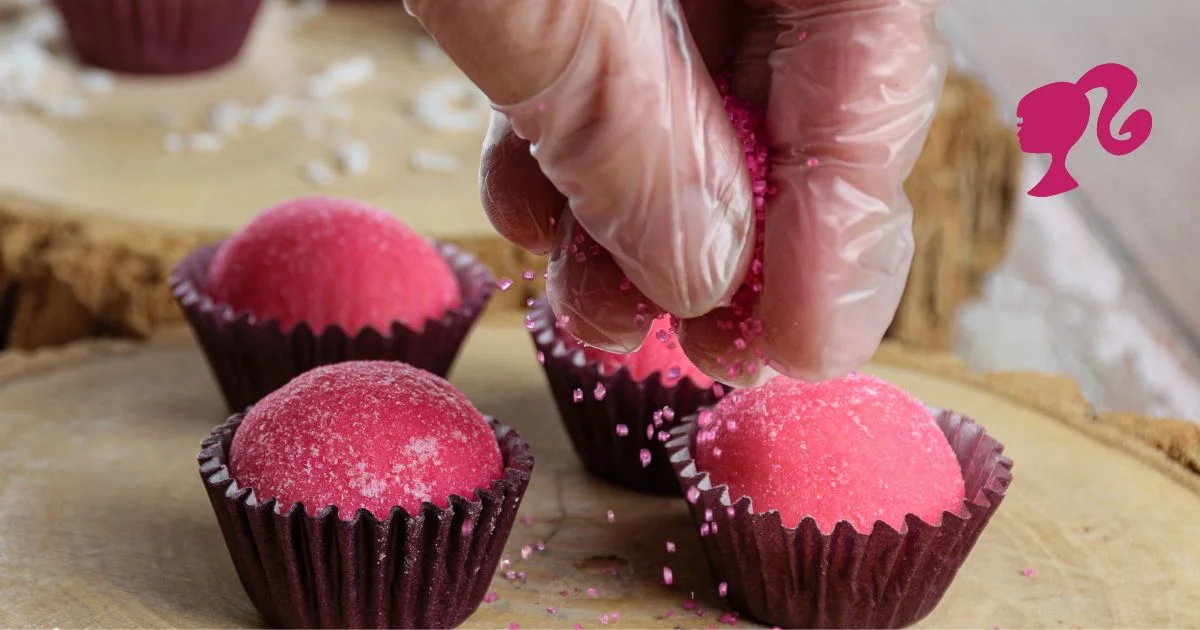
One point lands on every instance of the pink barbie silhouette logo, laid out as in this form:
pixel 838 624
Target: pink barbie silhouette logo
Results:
pixel 1054 117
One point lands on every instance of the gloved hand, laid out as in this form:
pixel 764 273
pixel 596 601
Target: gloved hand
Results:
pixel 631 142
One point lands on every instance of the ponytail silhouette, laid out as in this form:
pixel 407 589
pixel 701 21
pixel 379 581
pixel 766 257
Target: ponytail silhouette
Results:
pixel 1054 117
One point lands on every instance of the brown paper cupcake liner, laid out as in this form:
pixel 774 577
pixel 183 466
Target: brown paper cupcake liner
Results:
pixel 158 36
pixel 424 570
pixel 592 421
pixel 801 578
pixel 251 357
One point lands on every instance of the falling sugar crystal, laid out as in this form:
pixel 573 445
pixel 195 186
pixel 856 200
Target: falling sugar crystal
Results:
pixel 505 284
pixel 504 562
pixel 703 529
pixel 604 620
pixel 1029 572
pixel 622 430
pixel 722 589
pixel 539 545
pixel 668 576
pixel 708 514
pixel 670 547
pixel 552 610
pixel 527 274
pixel 514 626
pixel 611 517
pixel 490 597
pixel 644 455
pixel 541 357
pixel 668 413
pixel 577 395
pixel 729 618
pixel 591 592
pixel 600 392
pixel 526 551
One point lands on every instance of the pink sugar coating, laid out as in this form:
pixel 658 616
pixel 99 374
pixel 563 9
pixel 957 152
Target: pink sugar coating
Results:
pixel 329 261
pixel 856 449
pixel 370 434
pixel 660 353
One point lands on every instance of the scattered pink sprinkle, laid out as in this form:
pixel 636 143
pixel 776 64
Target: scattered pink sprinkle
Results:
pixel 577 627
pixel 722 589
pixel 611 517
pixel 591 592
pixel 622 430
pixel 527 274
pixel 663 436
pixel 644 455
pixel 616 615
pixel 604 619
pixel 716 452
pixel 600 392
pixel 526 551
pixel 530 324
pixel 708 514
pixel 541 357
pixel 668 576
pixel 812 161
pixel 577 395
pixel 504 562
pixel 670 613
pixel 490 597
pixel 703 529
pixel 1029 572
pixel 729 618
pixel 650 432
pixel 564 592
pixel 539 545
pixel 699 612
pixel 658 417
pixel 552 610
pixel 512 625
pixel 714 527
pixel 670 547
pixel 521 575
pixel 729 511
pixel 689 604
pixel 529 302
pixel 504 284
pixel 510 575
pixel 668 413
pixel 801 36
pixel 693 494
pixel 527 520
pixel 624 284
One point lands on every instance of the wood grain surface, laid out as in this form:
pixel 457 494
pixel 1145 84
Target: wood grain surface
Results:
pixel 106 523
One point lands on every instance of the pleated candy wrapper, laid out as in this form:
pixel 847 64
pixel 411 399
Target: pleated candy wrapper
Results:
pixel 158 36
pixel 428 570
pixel 592 421
pixel 251 357
pixel 801 578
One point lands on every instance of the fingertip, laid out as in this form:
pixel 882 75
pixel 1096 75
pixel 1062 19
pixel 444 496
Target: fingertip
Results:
pixel 521 204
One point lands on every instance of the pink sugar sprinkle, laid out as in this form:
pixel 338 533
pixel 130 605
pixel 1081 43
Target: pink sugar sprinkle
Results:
pixel 577 395
pixel 708 514
pixel 693 494
pixel 801 36
pixel 530 324
pixel 521 575
pixel 699 612
pixel 564 592
pixel 668 576
pixel 541 357
pixel 577 627
pixel 703 530
pixel 611 517
pixel 510 575
pixel 591 592
pixel 490 597
pixel 644 455
pixel 600 392
pixel 529 302
pixel 729 618
pixel 526 551
pixel 604 620
pixel 650 432
pixel 504 562
pixel 811 162
pixel 552 610
pixel 504 284
pixel 722 589
pixel 713 527
pixel 670 613
pixel 670 547
pixel 657 416
pixel 668 413
pixel 616 615
pixel 539 545
pixel 526 520
pixel 514 626
pixel 663 436
pixel 527 274
pixel 1029 572
pixel 624 284
pixel 729 511
pixel 622 430
pixel 716 451
pixel 689 604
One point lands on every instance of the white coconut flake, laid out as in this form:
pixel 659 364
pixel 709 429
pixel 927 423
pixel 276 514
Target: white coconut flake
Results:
pixel 433 161
pixel 353 158
pixel 452 104
pixel 226 117
pixel 205 142
pixel 174 143
pixel 341 76
pixel 318 173
pixel 97 81
pixel 268 113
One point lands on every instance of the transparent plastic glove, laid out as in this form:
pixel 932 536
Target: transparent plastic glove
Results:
pixel 611 150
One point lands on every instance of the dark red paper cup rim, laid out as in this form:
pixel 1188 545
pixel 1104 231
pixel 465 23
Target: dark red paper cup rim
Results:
pixel 428 569
pixel 475 280
pixel 592 424
pixel 898 576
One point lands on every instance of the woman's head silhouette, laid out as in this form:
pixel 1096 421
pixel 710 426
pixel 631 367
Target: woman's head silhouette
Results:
pixel 1054 117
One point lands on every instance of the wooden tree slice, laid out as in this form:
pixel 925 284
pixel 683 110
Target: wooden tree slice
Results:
pixel 69 186
pixel 105 522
